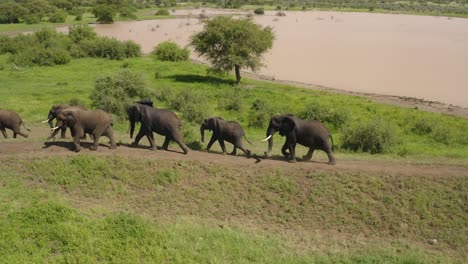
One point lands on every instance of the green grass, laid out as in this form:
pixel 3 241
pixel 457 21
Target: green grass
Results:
pixel 309 217
pixel 422 137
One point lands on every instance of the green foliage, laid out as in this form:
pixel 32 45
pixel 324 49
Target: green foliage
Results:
pixel 78 33
pixel 279 183
pixel 376 136
pixel 230 43
pixel 170 51
pixel 128 12
pixel 59 16
pixel 260 113
pixel 162 12
pixel 104 13
pixel 11 12
pixel 259 11
pixel 191 135
pixel 114 93
pixel 231 99
pixel 332 117
pixel 192 104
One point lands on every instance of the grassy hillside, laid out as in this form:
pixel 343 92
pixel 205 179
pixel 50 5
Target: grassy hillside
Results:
pixel 119 209
pixel 420 136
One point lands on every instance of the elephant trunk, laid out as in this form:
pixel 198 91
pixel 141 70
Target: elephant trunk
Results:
pixel 50 118
pixel 202 132
pixel 132 127
pixel 270 133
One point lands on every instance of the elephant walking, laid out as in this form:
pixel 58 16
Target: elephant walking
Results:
pixel 95 122
pixel 309 133
pixel 229 131
pixel 162 121
pixel 53 112
pixel 11 120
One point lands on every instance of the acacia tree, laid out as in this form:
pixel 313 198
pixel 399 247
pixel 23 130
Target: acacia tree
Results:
pixel 230 43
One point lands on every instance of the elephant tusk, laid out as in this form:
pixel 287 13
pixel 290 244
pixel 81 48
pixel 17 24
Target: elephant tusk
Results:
pixel 57 127
pixel 45 121
pixel 267 138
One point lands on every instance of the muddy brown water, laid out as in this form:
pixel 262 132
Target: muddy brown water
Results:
pixel 405 55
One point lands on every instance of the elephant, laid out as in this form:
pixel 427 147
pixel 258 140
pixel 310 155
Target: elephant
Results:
pixel 309 133
pixel 94 122
pixel 54 111
pixel 230 131
pixel 162 121
pixel 11 120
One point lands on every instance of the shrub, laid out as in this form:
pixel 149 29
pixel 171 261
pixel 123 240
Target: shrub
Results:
pixel 192 104
pixel 128 12
pixel 422 126
pixel 131 49
pixel 32 19
pixel 114 93
pixel 259 11
pixel 260 113
pixel 191 135
pixel 335 118
pixel 164 94
pixel 170 51
pixel 376 136
pixel 79 32
pixel 104 13
pixel 162 12
pixel 59 16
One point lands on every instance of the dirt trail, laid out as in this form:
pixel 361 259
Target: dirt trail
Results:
pixel 37 147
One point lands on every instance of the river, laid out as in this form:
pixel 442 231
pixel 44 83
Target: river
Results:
pixel 405 55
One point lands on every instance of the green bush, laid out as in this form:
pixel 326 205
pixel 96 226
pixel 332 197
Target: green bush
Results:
pixel 192 104
pixel 170 51
pixel 79 32
pixel 162 12
pixel 128 12
pixel 332 117
pixel 422 126
pixel 259 11
pixel 191 134
pixel 59 16
pixel 376 136
pixel 32 19
pixel 114 93
pixel 104 13
pixel 131 49
pixel 260 113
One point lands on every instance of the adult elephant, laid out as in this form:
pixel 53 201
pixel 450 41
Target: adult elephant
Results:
pixel 95 122
pixel 11 120
pixel 53 112
pixel 162 121
pixel 309 133
pixel 229 131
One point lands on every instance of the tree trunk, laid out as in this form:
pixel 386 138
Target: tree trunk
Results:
pixel 238 76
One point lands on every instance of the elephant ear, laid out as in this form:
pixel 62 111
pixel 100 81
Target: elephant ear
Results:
pixel 217 125
pixel 287 125
pixel 71 118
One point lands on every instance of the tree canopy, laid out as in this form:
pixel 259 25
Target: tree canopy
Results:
pixel 230 43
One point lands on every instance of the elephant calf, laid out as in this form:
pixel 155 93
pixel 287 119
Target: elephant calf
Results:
pixel 11 120
pixel 230 131
pixel 95 122
pixel 309 133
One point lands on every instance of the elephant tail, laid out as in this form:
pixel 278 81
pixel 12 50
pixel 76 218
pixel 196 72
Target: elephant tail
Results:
pixel 22 123
pixel 331 138
pixel 247 140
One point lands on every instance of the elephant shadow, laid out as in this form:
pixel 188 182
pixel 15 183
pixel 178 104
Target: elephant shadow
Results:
pixel 69 145
pixel 192 78
pixel 282 158
pixel 147 147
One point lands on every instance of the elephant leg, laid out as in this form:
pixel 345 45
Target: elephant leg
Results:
pixel 223 147
pixel 234 151
pixel 331 158
pixel 212 140
pixel 309 154
pixel 95 142
pixel 63 131
pixel 150 137
pixel 283 150
pixel 76 141
pixel 239 146
pixel 292 152
pixel 18 132
pixel 110 135
pixel 138 137
pixel 4 132
pixel 165 145
pixel 178 140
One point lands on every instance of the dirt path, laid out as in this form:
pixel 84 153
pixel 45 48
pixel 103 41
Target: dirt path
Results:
pixel 37 147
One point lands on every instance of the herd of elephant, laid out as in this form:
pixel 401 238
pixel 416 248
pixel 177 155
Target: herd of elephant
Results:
pixel 96 123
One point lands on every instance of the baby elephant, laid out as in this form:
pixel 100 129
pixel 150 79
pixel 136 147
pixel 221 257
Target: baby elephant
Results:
pixel 11 120
pixel 230 131
pixel 95 122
